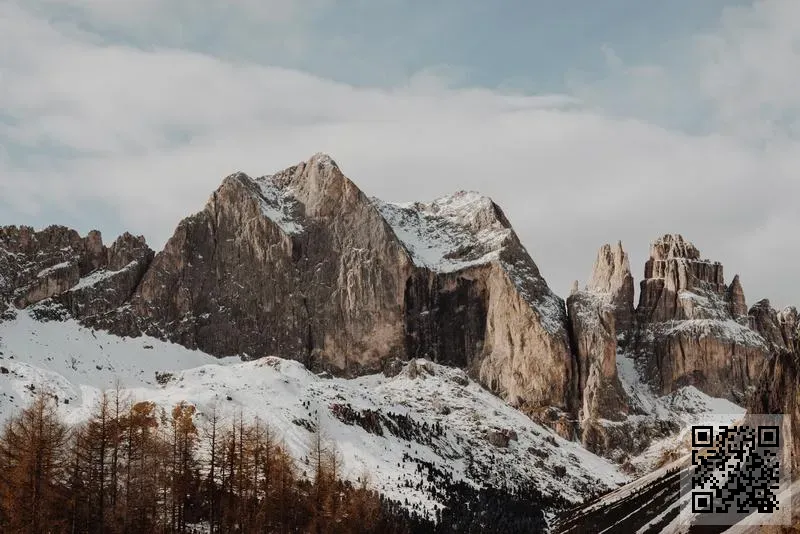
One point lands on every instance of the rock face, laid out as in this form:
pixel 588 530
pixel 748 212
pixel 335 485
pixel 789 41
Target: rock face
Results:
pixel 689 329
pixel 612 278
pixel 778 390
pixel 598 316
pixel 735 297
pixel 691 326
pixel 477 300
pixel 97 296
pixel 299 264
pixel 303 265
pixel 678 284
pixel 57 263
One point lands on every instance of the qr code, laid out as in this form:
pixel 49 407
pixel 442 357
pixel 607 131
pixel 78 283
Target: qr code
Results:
pixel 736 469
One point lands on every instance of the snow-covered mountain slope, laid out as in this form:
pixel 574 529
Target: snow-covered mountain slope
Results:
pixel 467 229
pixel 668 417
pixel 449 233
pixel 395 428
pixel 661 503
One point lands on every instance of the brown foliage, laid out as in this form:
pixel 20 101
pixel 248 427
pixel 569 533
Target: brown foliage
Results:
pixel 132 468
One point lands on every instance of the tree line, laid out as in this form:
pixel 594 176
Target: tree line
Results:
pixel 136 468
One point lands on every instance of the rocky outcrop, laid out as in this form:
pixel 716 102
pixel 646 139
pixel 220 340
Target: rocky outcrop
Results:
pixel 735 297
pixel 299 264
pixel 54 262
pixel 778 390
pixel 599 316
pixel 477 300
pixel 612 278
pixel 679 285
pixel 96 298
pixel 691 326
pixel 594 337
pixel 303 265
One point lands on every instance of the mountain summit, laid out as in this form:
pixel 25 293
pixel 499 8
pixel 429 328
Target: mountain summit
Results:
pixel 304 266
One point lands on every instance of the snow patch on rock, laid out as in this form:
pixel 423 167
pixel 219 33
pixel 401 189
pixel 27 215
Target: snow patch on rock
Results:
pixel 278 205
pixel 726 329
pixel 101 275
pixel 450 233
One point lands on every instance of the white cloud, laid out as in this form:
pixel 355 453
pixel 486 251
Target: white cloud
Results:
pixel 148 134
pixel 751 68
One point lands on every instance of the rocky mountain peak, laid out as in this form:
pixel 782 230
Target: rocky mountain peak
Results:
pixel 611 269
pixel 318 184
pixel 612 279
pixel 315 188
pixel 735 297
pixel 697 330
pixel 679 285
pixel 671 246
pixel 302 251
pixel 303 265
pixel 451 232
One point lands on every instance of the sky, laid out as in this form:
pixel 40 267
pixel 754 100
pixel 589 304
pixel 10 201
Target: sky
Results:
pixel 587 122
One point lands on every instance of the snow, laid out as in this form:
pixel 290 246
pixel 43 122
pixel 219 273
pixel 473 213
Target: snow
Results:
pixel 686 406
pixel 100 275
pixel 450 233
pixel 277 205
pixel 53 268
pixel 727 329
pixel 77 364
pixel 463 230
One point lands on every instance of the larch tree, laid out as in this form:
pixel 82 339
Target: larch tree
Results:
pixel 33 470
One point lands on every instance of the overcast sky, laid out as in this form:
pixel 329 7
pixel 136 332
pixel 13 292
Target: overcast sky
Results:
pixel 587 121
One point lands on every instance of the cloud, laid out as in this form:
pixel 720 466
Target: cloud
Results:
pixel 122 137
pixel 751 69
pixel 739 77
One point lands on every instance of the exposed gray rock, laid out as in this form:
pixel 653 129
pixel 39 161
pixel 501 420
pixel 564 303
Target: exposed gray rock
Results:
pixel 691 327
pixel 612 278
pixel 501 438
pixel 595 342
pixel 478 301
pixel 40 265
pixel 303 265
pixel 98 296
pixel 598 317
pixel 678 284
pixel 299 264
pixel 779 384
pixel 735 297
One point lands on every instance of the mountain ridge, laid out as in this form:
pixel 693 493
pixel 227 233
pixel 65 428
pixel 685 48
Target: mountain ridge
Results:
pixel 301 264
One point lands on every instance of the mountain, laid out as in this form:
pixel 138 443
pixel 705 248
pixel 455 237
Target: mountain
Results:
pixel 427 428
pixel 297 289
pixel 689 329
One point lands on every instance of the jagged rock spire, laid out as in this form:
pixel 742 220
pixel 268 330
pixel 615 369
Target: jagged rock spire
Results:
pixel 612 277
pixel 675 270
pixel 735 297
